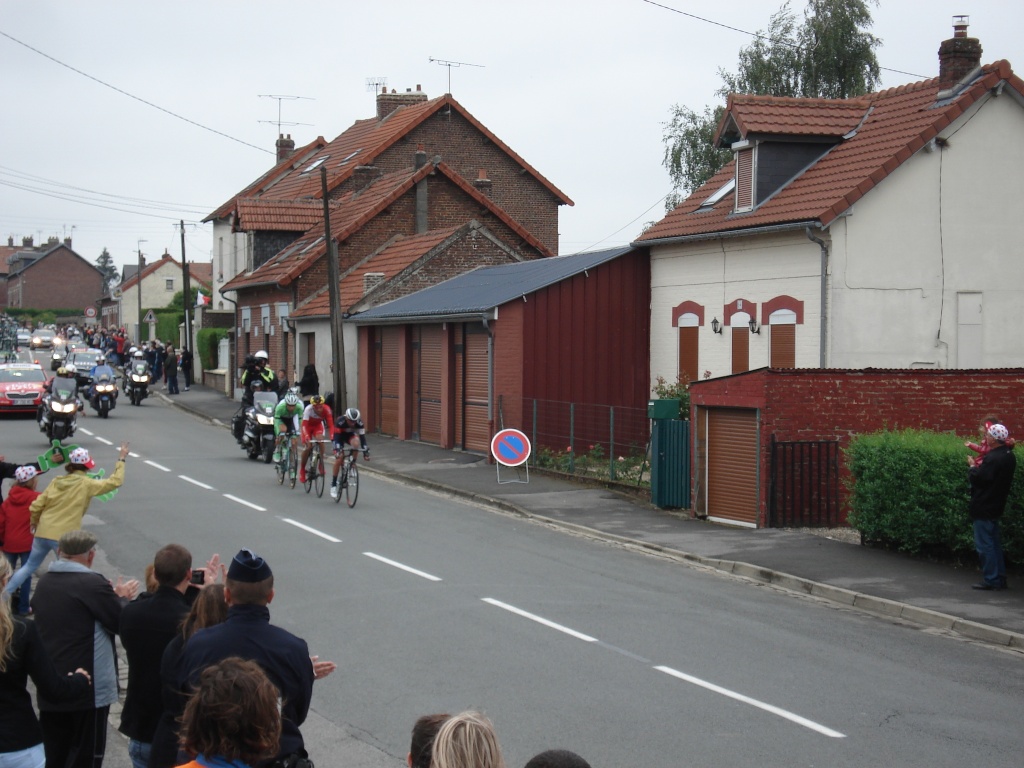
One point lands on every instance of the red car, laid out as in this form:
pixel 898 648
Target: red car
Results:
pixel 21 387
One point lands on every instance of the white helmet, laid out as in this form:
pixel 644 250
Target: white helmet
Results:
pixel 137 354
pixel 133 350
pixel 291 399
pixel 262 355
pixel 352 414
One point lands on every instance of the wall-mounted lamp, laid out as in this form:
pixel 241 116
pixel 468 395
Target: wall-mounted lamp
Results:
pixel 754 327
pixel 716 327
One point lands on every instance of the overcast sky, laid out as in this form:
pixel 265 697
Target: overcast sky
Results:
pixel 580 89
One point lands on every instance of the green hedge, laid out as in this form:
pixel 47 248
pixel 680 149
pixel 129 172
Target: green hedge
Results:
pixel 909 491
pixel 207 341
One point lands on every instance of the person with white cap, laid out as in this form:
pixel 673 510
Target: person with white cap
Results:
pixel 991 479
pixel 15 527
pixel 61 507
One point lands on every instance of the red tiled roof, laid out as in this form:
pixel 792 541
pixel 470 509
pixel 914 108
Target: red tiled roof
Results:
pixel 256 214
pixel 394 257
pixel 899 122
pixel 354 210
pixel 748 114
pixel 295 179
pixel 201 271
pixel 150 269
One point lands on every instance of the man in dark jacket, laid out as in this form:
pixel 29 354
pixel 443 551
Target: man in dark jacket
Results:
pixel 77 612
pixel 991 477
pixel 248 633
pixel 147 626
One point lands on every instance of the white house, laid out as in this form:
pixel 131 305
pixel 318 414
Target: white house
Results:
pixel 159 281
pixel 879 231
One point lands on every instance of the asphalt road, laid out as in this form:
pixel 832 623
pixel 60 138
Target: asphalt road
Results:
pixel 429 604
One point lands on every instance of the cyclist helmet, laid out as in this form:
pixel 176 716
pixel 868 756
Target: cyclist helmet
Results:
pixel 316 400
pixel 62 371
pixel 352 414
pixel 291 399
pixel 262 355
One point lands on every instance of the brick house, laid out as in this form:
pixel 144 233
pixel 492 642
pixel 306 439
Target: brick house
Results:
pixel 880 231
pixel 421 205
pixel 52 276
pixel 511 346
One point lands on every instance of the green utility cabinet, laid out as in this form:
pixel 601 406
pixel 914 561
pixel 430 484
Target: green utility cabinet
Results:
pixel 670 455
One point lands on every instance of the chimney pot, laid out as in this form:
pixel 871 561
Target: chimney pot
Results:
pixel 285 147
pixel 389 102
pixel 10 241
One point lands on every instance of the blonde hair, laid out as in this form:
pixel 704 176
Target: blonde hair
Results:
pixel 467 740
pixel 6 622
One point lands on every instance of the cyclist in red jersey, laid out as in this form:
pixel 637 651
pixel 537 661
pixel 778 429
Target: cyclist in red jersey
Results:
pixel 317 421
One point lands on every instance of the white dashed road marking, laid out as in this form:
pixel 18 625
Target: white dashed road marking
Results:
pixel 244 502
pixel 188 479
pixel 314 531
pixel 394 564
pixel 104 441
pixel 161 467
pixel 539 620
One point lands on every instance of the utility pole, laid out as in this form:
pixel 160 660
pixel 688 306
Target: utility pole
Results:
pixel 334 294
pixel 138 292
pixel 187 290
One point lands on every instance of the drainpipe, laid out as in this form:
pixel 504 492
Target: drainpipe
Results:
pixel 232 344
pixel 824 294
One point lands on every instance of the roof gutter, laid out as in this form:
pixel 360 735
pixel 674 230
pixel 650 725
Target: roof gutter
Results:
pixel 822 333
pixel 796 225
pixel 481 317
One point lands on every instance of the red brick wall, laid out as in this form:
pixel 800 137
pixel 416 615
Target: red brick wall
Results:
pixel 823 404
pixel 508 365
pixel 61 280
pixel 255 298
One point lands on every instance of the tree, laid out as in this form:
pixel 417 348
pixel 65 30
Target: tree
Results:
pixel 105 262
pixel 831 55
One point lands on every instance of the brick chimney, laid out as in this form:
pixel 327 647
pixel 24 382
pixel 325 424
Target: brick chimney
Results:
pixel 285 147
pixel 10 241
pixel 482 183
pixel 389 102
pixel 67 241
pixel 959 55
pixel 363 176
pixel 26 242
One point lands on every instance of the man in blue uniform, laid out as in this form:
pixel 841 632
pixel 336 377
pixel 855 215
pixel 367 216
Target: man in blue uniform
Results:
pixel 248 633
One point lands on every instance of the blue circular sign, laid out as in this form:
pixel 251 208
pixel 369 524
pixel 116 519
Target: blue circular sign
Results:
pixel 510 447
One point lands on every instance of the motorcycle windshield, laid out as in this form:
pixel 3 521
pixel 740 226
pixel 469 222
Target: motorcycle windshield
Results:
pixel 140 368
pixel 64 389
pixel 265 402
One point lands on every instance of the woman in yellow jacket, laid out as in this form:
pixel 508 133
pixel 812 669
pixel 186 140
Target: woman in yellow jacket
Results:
pixel 61 507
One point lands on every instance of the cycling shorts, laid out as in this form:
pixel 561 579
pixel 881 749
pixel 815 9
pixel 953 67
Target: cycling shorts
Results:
pixel 312 429
pixel 288 426
pixel 341 439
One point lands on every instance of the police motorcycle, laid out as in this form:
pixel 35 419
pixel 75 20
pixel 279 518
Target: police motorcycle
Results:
pixel 103 395
pixel 136 379
pixel 258 429
pixel 60 408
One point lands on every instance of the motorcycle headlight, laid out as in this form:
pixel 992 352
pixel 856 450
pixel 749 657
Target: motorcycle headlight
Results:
pixel 104 387
pixel 264 421
pixel 64 407
pixel 140 379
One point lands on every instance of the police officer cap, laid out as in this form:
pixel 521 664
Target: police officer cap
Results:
pixel 249 567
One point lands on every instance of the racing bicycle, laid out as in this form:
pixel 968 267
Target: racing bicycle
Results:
pixel 315 474
pixel 348 477
pixel 288 465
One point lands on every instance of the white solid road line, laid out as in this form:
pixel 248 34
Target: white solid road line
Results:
pixel 314 531
pixel 754 702
pixel 243 502
pixel 104 441
pixel 188 479
pixel 539 620
pixel 161 467
pixel 394 564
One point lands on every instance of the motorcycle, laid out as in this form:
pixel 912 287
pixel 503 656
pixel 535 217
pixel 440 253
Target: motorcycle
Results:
pixel 136 383
pixel 104 396
pixel 258 433
pixel 59 409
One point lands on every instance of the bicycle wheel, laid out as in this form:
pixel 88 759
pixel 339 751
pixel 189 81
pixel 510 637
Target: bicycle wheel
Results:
pixel 293 467
pixel 310 463
pixel 352 486
pixel 282 465
pixel 318 474
pixel 342 479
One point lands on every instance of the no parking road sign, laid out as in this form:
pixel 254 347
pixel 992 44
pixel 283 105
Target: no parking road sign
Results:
pixel 510 447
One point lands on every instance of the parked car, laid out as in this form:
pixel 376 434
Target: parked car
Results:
pixel 82 362
pixel 21 387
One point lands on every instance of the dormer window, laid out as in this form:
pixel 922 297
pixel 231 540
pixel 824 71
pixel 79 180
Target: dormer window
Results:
pixel 744 154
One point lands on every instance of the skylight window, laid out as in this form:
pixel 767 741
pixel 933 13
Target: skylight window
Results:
pixel 725 190
pixel 345 160
pixel 315 164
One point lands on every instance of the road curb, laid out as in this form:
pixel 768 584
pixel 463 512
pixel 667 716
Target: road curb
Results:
pixel 876 606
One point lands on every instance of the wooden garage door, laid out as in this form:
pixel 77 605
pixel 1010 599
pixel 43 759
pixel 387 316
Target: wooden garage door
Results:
pixel 428 384
pixel 477 433
pixel 732 463
pixel 387 379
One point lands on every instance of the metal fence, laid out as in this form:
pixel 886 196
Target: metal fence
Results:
pixel 586 438
pixel 804 484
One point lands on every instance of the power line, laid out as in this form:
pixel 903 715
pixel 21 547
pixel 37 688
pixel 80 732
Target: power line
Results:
pixel 132 96
pixel 22 176
pixel 73 199
pixel 755 34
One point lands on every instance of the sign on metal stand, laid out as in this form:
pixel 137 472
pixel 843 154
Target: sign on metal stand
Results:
pixel 511 448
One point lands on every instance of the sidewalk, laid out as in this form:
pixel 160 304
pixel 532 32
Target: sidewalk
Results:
pixel 883 583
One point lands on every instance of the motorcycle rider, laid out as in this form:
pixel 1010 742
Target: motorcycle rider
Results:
pixel 100 370
pixel 137 366
pixel 349 431
pixel 62 373
pixel 286 421
pixel 316 422
pixel 258 369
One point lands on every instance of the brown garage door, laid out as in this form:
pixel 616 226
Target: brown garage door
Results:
pixel 477 433
pixel 429 384
pixel 732 463
pixel 387 379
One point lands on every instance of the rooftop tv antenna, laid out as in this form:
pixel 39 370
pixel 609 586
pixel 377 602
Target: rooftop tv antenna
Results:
pixel 376 83
pixel 450 64
pixel 279 122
